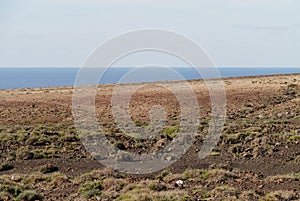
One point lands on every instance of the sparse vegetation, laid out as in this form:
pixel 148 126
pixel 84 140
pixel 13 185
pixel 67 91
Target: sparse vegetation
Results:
pixel 91 189
pixel 29 196
pixel 171 131
pixel 5 167
pixel 256 158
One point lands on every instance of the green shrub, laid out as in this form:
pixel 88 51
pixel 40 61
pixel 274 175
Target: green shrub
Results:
pixel 162 175
pixel 157 187
pixel 171 131
pixel 14 191
pixel 91 189
pixel 29 196
pixel 5 167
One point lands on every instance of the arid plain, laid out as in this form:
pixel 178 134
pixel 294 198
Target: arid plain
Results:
pixel 257 156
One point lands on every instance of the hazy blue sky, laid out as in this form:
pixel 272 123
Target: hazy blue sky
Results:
pixel 234 32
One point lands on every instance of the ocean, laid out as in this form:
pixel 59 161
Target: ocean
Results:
pixel 15 78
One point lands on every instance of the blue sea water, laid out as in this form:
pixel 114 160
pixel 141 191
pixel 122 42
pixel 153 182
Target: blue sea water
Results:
pixel 12 78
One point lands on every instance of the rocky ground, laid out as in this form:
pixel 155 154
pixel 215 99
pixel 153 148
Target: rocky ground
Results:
pixel 257 156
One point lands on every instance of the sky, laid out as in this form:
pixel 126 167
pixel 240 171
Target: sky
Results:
pixel 235 33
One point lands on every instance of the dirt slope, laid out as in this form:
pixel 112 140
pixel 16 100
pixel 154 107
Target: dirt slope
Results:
pixel 257 157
